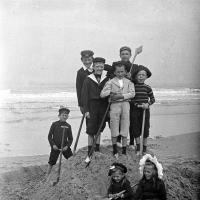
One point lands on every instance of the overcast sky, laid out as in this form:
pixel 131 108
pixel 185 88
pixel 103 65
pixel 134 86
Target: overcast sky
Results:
pixel 41 40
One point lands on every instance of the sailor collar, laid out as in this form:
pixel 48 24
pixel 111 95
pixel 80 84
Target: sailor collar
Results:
pixel 103 76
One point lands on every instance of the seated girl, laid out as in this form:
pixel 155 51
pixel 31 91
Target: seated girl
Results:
pixel 151 186
pixel 120 187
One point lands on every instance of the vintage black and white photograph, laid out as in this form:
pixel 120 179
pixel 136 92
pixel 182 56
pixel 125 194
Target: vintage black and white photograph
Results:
pixel 99 100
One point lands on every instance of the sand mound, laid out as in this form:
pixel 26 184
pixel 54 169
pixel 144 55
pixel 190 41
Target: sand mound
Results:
pixel 78 182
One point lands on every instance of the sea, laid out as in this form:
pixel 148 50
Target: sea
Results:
pixel 26 114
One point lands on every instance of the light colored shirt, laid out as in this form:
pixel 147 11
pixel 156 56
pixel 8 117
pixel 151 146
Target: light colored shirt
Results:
pixel 90 69
pixel 121 83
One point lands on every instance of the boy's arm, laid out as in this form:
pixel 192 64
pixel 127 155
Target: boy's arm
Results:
pixel 131 91
pixel 69 137
pixel 151 97
pixel 50 135
pixel 106 89
pixel 84 94
pixel 78 88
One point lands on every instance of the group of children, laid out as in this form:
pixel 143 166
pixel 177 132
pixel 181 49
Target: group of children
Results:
pixel 122 88
pixel 123 85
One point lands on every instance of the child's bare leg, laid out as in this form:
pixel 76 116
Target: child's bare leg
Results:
pixel 124 143
pixel 49 169
pixel 114 143
pixel 137 144
pixel 90 142
pixel 144 145
pixel 98 143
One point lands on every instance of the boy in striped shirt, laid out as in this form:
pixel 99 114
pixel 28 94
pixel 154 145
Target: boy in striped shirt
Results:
pixel 144 97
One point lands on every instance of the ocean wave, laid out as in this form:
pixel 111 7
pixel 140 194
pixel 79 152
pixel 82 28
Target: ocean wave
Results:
pixel 52 100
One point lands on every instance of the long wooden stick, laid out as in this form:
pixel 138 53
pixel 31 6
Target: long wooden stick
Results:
pixel 61 152
pixel 123 191
pixel 78 135
pixel 137 51
pixel 142 132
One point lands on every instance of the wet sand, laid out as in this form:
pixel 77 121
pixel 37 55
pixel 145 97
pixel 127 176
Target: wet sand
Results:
pixel 28 136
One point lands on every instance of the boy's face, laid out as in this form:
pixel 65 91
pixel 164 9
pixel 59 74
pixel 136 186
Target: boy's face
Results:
pixel 63 116
pixel 149 171
pixel 98 68
pixel 87 61
pixel 125 55
pixel 141 76
pixel 120 72
pixel 117 176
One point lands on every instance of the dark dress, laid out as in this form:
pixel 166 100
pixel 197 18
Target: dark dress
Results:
pixel 92 102
pixel 150 190
pixel 55 138
pixel 123 185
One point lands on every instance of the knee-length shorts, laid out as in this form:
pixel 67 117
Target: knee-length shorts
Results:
pixel 119 119
pixel 55 154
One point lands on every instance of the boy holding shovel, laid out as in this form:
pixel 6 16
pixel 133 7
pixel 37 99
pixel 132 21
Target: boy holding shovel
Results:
pixel 94 106
pixel 56 139
pixel 143 99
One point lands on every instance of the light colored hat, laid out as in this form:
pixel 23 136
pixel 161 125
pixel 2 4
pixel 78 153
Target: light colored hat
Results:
pixel 153 160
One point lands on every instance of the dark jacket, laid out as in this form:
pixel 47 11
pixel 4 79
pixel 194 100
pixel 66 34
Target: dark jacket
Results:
pixel 151 189
pixel 80 77
pixel 55 134
pixel 91 90
pixel 123 185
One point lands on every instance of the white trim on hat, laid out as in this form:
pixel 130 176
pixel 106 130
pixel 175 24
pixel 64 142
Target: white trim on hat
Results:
pixel 153 160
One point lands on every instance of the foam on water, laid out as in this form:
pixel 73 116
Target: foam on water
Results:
pixel 9 97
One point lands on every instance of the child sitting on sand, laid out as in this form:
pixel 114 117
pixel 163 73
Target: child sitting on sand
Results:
pixel 120 90
pixel 143 99
pixel 151 186
pixel 120 187
pixel 55 138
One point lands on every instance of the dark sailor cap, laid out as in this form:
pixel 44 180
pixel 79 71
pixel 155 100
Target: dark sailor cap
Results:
pixel 87 53
pixel 99 59
pixel 125 48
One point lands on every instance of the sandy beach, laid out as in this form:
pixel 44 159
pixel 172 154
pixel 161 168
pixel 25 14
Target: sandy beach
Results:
pixel 25 133
pixel 178 154
pixel 25 120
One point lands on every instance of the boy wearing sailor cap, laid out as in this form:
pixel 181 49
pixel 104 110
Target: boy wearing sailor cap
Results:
pixel 55 138
pixel 83 72
pixel 94 106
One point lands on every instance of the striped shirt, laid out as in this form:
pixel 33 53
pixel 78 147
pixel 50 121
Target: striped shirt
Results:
pixel 143 94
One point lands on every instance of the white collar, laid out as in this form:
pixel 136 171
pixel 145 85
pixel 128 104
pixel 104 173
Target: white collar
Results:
pixel 103 76
pixel 89 69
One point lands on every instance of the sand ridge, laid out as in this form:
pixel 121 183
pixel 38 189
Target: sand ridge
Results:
pixel 181 174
